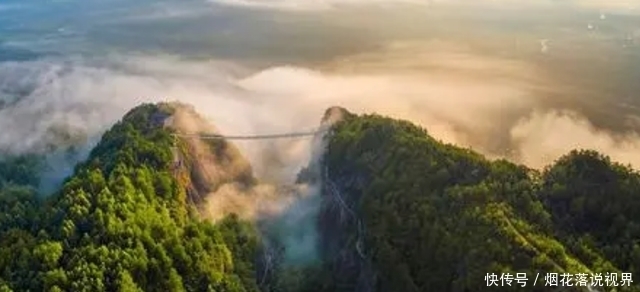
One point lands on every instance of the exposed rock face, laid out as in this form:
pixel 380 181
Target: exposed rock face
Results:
pixel 335 114
pixel 342 231
pixel 219 179
pixel 312 173
pixel 210 164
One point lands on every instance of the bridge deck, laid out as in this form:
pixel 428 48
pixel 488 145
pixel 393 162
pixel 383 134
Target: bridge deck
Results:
pixel 250 137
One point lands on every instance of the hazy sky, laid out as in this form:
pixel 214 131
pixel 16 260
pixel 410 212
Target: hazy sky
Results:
pixel 525 79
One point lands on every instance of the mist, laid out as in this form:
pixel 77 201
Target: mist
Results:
pixel 460 97
pixel 523 80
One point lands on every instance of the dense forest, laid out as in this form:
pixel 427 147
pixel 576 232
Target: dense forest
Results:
pixel 400 211
pixel 120 223
pixel 440 218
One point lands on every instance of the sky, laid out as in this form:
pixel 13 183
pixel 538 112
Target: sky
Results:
pixel 526 80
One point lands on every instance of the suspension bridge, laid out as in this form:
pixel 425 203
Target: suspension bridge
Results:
pixel 290 135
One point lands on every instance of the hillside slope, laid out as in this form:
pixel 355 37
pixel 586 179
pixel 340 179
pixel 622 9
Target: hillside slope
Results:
pixel 435 217
pixel 205 165
pixel 396 210
pixel 122 222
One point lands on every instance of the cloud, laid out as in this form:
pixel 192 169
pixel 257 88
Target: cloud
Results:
pixel 478 99
pixel 460 96
pixel 158 11
pixel 628 6
pixel 622 6
pixel 310 5
pixel 542 137
pixel 11 7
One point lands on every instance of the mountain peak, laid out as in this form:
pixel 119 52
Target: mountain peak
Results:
pixel 335 114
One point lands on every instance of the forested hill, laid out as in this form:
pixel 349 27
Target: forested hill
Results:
pixel 440 218
pixel 121 222
pixel 399 211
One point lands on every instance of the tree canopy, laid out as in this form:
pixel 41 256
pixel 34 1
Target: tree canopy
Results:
pixel 440 218
pixel 399 211
pixel 119 223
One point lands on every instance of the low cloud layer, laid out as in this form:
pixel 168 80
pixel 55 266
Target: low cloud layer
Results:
pixel 461 97
pixel 310 5
pixel 468 77
pixel 622 6
pixel 543 137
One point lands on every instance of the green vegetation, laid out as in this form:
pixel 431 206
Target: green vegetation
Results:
pixel 120 223
pixel 434 217
pixel 439 217
pixel 19 170
pixel 595 203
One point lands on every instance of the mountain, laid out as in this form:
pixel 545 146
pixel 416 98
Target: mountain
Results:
pixel 405 212
pixel 124 221
pixel 156 209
